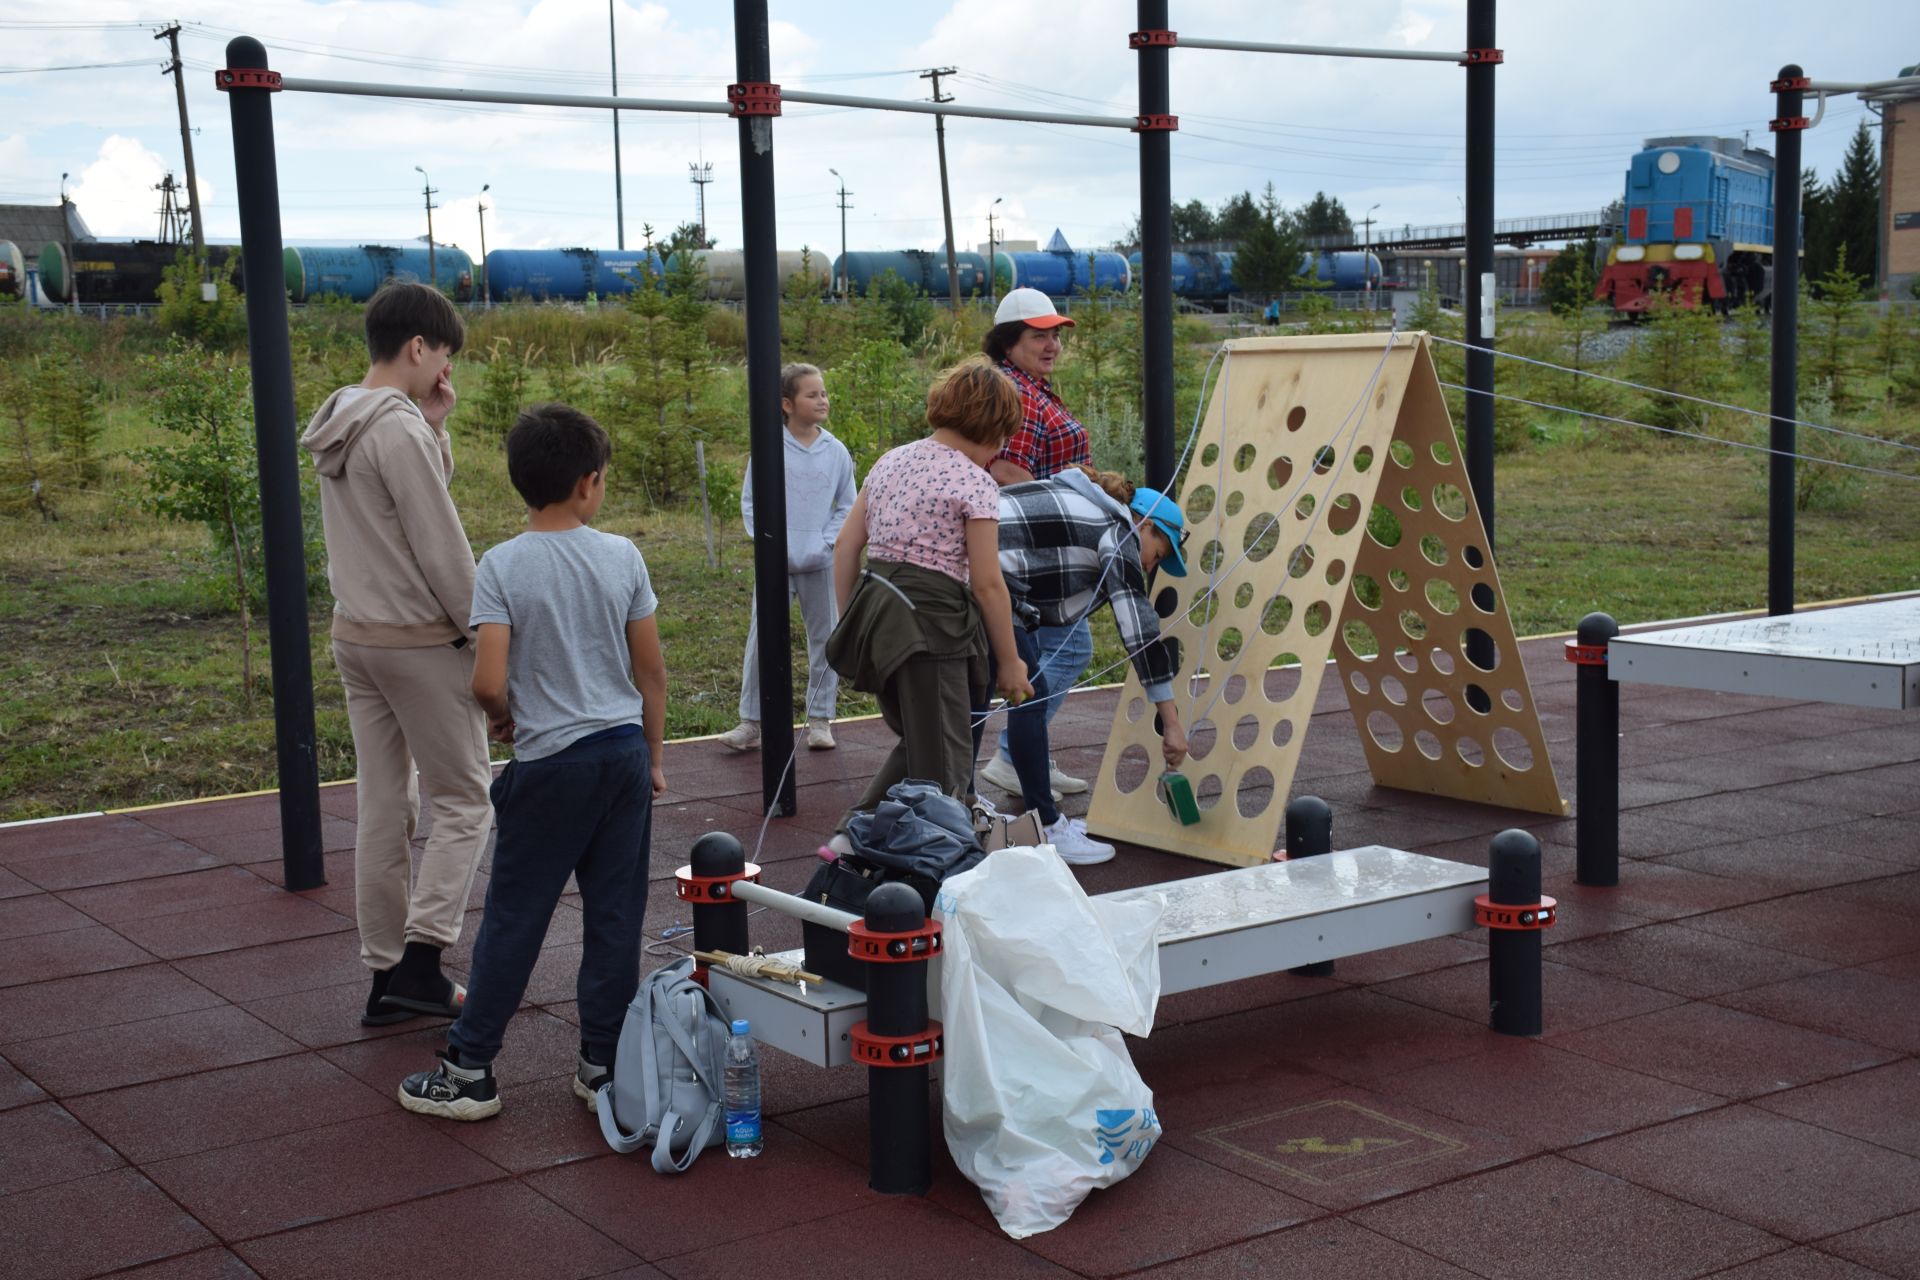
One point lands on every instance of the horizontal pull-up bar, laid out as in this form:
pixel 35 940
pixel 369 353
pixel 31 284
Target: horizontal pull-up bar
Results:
pixel 292 84
pixel 1907 84
pixel 1335 51
pixel 951 109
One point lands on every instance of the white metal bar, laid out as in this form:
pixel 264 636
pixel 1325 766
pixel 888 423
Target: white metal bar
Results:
pixel 1908 83
pixel 788 904
pixel 1322 50
pixel 952 109
pixel 357 88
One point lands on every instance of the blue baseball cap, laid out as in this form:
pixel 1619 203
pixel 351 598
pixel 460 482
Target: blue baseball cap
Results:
pixel 1170 520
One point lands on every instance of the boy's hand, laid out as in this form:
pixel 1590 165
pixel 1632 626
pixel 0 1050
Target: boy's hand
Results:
pixel 659 782
pixel 440 401
pixel 1012 682
pixel 500 728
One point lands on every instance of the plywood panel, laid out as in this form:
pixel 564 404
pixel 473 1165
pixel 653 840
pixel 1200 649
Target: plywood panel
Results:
pixel 1294 451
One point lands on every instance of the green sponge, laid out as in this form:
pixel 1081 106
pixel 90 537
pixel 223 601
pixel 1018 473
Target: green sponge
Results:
pixel 1180 797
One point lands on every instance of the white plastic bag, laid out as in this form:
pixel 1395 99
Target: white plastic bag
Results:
pixel 1040 1102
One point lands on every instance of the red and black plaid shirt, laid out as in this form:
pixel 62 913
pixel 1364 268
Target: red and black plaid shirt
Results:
pixel 1049 439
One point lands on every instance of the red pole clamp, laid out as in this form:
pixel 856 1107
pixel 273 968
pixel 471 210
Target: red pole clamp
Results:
pixel 1156 124
pixel 689 887
pixel 1789 85
pixel 247 78
pixel 754 99
pixel 916 1050
pixel 1153 39
pixel 1587 655
pixel 1497 915
pixel 1483 57
pixel 893 948
pixel 1786 123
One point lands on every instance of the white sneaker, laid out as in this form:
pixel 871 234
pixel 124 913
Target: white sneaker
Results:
pixel 1064 784
pixel 819 735
pixel 1070 840
pixel 1000 773
pixel 744 736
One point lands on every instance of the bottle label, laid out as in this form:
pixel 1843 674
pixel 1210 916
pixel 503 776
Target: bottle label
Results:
pixel 743 1126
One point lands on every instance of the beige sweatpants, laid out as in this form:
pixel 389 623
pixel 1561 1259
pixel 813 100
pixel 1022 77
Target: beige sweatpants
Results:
pixel 414 709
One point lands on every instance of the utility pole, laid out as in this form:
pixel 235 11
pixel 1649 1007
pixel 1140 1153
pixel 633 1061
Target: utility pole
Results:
pixel 173 219
pixel 427 193
pixel 619 206
pixel 1366 257
pixel 946 202
pixel 993 282
pixel 172 36
pixel 845 287
pixel 700 175
pixel 486 288
pixel 66 234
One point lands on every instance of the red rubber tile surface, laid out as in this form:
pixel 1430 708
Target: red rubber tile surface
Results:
pixel 80 835
pixel 195 1113
pixel 16 1090
pixel 248 924
pixel 542 1125
pixel 44 1144
pixel 1861 1004
pixel 179 1044
pixel 165 895
pixel 1891 1248
pixel 1880 1106
pixel 1570 998
pixel 1723 1051
pixel 1818 925
pixel 12 886
pixel 46 956
pixel 538 1046
pixel 328 1016
pixel 36 914
pixel 94 1225
pixel 1798 1264
pixel 1682 960
pixel 1499 1225
pixel 205 1264
pixel 254 973
pixel 98 1000
pixel 1784 1176
pixel 1331 1249
pixel 153 855
pixel 274 1184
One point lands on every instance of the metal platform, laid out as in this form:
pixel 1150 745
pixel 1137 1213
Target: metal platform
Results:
pixel 1865 655
pixel 1217 928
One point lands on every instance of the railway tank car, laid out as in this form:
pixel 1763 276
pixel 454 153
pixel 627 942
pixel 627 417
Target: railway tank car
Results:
pixel 13 271
pixel 566 275
pixel 727 272
pixel 1698 227
pixel 114 272
pixel 316 271
pixel 1203 275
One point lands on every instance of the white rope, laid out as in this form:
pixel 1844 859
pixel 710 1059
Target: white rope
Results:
pixel 1681 395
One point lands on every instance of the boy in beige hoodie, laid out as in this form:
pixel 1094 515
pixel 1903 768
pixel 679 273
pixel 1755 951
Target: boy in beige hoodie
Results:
pixel 402 574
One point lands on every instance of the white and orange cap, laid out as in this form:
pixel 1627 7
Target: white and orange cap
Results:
pixel 1030 307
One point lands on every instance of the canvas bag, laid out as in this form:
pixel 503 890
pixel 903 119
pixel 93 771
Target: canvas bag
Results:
pixel 667 1079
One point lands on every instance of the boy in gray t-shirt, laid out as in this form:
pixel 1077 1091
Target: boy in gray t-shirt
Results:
pixel 569 671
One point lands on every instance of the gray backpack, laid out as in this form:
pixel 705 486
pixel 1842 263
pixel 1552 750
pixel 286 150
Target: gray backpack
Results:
pixel 667 1078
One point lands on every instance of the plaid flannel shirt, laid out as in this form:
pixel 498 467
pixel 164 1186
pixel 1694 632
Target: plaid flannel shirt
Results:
pixel 1055 547
pixel 1049 438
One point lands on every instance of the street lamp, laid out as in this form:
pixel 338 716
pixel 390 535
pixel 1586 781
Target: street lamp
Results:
pixel 993 281
pixel 427 193
pixel 486 292
pixel 843 272
pixel 1366 256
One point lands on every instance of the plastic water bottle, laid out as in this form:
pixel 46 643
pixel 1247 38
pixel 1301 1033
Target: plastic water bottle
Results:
pixel 743 1093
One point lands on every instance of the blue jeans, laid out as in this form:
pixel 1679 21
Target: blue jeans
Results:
pixel 1063 654
pixel 585 811
pixel 1026 733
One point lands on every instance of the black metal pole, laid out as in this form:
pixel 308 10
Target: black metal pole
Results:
pixel 1782 403
pixel 754 64
pixel 722 925
pixel 1480 293
pixel 1597 741
pixel 1513 954
pixel 1309 828
pixel 270 358
pixel 1156 255
pixel 899 1117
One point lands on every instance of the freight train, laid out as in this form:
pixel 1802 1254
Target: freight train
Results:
pixel 1699 227
pixel 1206 275
pixel 121 273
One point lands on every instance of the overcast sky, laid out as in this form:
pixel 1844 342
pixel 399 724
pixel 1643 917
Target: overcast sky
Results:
pixel 1582 85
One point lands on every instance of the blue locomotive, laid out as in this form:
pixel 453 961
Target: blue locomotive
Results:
pixel 1698 227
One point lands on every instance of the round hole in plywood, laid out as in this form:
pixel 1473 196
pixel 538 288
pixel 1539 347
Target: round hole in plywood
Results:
pixel 1474 557
pixel 1441 595
pixel 1235 690
pixel 1449 501
pixel 1255 792
pixel 1361 685
pixel 1483 597
pixel 1279 473
pixel 1366 589
pixel 1324 459
pixel 1470 752
pixel 1401 452
pixel 1413 624
pixel 1301 562
pixel 1200 739
pixel 1363 458
pixel 1166 602
pixel 1135 709
pixel 1316 618
pixel 1208 793
pixel 1427 743
pixel 1434 550
pixel 1130 770
pixel 1480 650
pixel 1385 731
pixel 1209 455
pixel 1511 700
pixel 1243 595
pixel 1243 457
pixel 1398 579
pixel 1282 680
pixel 1359 639
pixel 1275 617
pixel 1235 501
pixel 1246 731
pixel 1205 605
pixel 1261 538
pixel 1442 661
pixel 1282 732
pixel 1230 642
pixel 1477 700
pixel 1296 417
pixel 1199 504
pixel 1212 556
pixel 1410 498
pixel 1442 453
pixel 1438 706
pixel 1336 570
pixel 1513 749
pixel 1404 659
pixel 1393 691
pixel 1343 514
pixel 1304 507
pixel 1383 526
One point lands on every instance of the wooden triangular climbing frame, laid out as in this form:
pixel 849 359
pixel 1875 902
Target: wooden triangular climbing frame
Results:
pixel 1327 500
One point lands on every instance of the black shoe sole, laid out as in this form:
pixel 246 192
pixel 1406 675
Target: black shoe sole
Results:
pixel 422 1008
pixel 387 1018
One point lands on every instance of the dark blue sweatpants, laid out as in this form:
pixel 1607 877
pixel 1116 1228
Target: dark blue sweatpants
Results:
pixel 586 811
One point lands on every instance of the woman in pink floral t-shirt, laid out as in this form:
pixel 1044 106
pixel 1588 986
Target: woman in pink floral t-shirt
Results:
pixel 917 619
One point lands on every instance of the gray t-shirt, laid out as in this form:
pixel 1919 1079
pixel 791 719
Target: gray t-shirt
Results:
pixel 568 597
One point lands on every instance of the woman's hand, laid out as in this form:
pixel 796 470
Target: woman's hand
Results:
pixel 1173 738
pixel 1011 680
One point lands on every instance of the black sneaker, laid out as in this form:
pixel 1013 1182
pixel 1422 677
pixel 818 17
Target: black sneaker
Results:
pixel 451 1090
pixel 587 1081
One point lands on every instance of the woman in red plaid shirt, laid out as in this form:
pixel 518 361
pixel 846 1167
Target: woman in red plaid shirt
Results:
pixel 1025 343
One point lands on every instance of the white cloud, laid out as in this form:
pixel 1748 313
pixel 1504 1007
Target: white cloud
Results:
pixel 116 192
